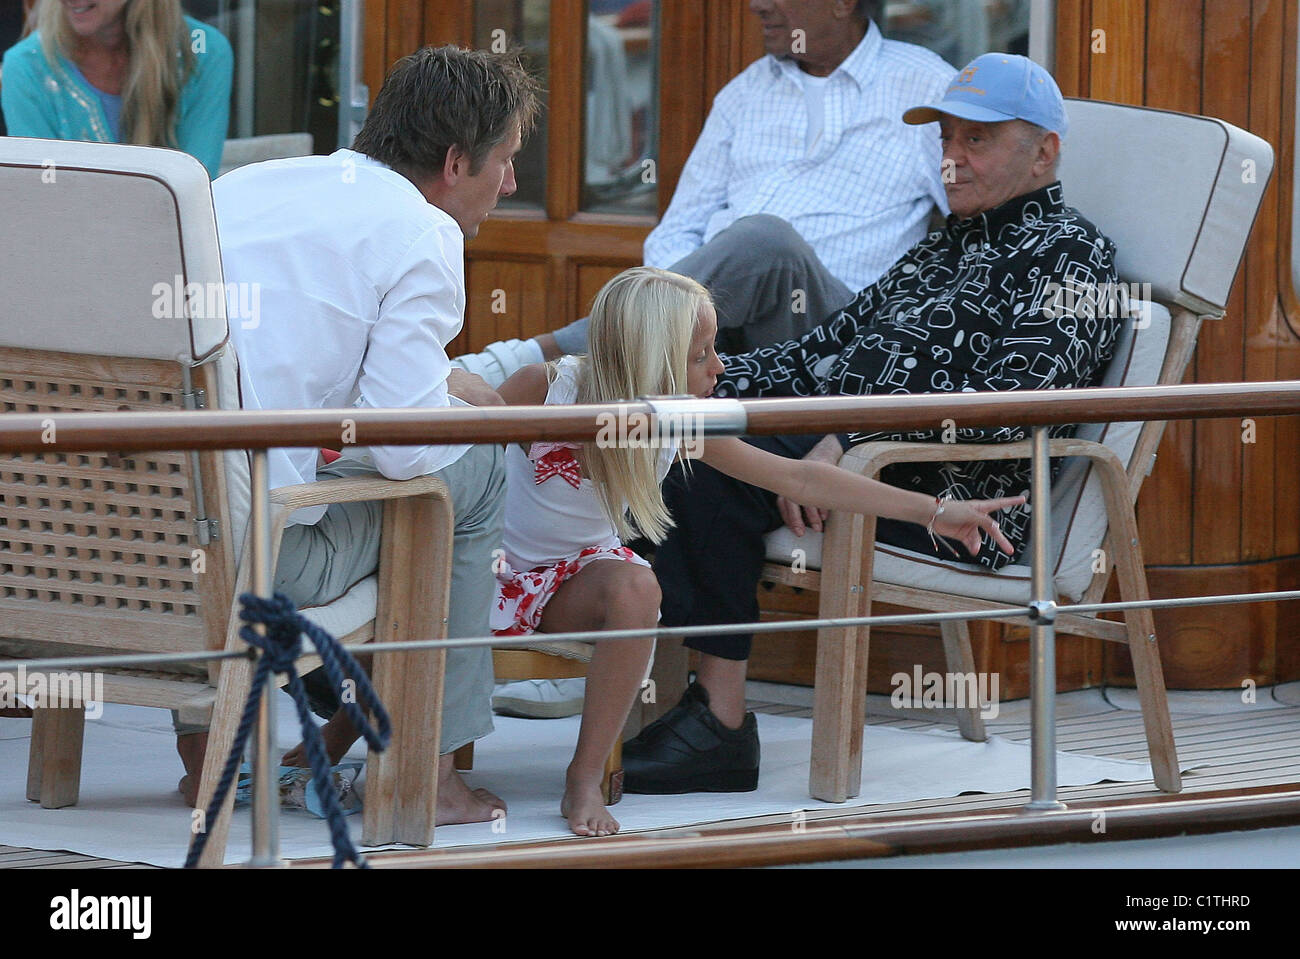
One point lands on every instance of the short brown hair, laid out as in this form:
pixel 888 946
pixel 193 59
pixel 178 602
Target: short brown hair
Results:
pixel 443 97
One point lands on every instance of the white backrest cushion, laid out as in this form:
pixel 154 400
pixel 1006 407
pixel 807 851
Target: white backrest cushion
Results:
pixel 95 238
pixel 1078 505
pixel 1177 193
pixel 274 146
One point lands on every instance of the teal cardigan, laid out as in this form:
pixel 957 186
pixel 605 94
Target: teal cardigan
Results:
pixel 40 100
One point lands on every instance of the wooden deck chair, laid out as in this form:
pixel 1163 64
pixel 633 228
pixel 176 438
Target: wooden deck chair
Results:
pixel 109 553
pixel 1178 195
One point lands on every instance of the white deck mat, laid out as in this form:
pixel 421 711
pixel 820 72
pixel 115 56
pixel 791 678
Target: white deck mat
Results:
pixel 130 811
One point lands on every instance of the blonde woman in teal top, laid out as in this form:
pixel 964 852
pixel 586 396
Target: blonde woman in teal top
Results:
pixel 120 71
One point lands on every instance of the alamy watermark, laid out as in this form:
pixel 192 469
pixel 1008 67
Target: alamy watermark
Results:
pixel 53 691
pixel 939 690
pixel 632 430
pixel 1108 300
pixel 179 300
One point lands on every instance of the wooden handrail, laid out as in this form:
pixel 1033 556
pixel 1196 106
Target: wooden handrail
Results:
pixel 864 836
pixel 247 429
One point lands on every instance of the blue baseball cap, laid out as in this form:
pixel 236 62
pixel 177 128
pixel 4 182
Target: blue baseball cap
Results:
pixel 996 87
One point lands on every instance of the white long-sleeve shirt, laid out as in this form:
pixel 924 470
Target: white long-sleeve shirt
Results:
pixel 358 285
pixel 861 194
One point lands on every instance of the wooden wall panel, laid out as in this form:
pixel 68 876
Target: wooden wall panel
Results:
pixel 1173 82
pixel 1286 517
pixel 1261 320
pixel 1073 18
pixel 504 300
pixel 590 278
pixel 683 97
pixel 1217 485
pixel 1117 72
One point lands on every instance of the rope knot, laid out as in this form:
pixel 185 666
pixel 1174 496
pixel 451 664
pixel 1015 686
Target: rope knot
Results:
pixel 280 648
pixel 282 643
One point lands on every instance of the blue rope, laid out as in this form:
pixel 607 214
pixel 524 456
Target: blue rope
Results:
pixel 280 648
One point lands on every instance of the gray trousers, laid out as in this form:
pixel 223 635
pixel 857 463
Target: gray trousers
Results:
pixel 319 563
pixel 767 283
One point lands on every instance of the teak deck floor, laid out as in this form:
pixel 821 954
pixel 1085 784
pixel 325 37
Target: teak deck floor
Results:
pixel 1231 744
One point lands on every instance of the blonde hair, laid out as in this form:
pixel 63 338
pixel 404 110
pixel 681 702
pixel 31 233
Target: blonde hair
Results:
pixel 638 343
pixel 158 43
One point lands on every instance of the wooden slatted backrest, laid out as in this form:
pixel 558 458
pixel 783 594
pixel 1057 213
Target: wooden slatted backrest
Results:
pixel 101 551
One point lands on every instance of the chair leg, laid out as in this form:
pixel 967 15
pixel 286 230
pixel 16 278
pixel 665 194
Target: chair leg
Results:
pixel 1153 698
pixel 611 784
pixel 961 661
pixel 463 758
pixel 54 759
pixel 839 695
pixel 414 587
pixel 1131 574
pixel 668 675
pixel 232 691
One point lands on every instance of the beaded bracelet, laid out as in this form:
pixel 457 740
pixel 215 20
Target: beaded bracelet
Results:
pixel 935 539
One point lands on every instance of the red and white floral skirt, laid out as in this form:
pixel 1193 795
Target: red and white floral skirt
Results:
pixel 521 597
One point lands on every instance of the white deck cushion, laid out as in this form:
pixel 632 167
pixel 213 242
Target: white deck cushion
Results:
pixel 274 146
pixel 111 227
pixel 1196 182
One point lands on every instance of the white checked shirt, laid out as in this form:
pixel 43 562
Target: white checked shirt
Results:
pixel 860 195
pixel 361 285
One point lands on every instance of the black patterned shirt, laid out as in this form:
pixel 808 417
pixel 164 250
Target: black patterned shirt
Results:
pixel 971 308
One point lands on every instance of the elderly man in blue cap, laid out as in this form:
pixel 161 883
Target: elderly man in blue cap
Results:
pixel 969 308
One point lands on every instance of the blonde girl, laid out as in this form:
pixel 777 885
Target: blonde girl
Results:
pixel 570 506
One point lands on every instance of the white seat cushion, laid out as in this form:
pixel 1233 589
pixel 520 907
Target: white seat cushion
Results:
pixel 350 611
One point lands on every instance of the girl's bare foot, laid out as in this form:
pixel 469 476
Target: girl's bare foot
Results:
pixel 584 807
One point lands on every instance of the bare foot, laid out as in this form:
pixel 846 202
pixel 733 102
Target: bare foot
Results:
pixel 584 807
pixel 491 798
pixel 338 735
pixel 457 804
pixel 192 747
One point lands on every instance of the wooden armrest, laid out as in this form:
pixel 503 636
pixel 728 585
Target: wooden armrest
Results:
pixel 870 458
pixel 354 489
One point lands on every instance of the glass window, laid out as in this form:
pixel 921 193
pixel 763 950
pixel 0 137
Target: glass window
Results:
pixel 960 30
pixel 526 24
pixel 286 65
pixel 621 107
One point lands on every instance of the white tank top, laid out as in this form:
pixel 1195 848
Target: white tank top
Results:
pixel 552 521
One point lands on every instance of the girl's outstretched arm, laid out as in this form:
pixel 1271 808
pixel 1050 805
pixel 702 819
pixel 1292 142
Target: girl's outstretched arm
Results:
pixel 821 484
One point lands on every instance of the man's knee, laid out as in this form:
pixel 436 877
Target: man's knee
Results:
pixel 764 237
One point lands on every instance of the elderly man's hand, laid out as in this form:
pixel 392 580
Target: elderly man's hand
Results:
pixel 799 517
pixel 472 388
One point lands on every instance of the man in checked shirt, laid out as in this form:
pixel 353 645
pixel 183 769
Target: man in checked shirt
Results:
pixel 972 307
pixel 804 185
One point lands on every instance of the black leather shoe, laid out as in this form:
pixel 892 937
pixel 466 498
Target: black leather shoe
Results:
pixel 688 750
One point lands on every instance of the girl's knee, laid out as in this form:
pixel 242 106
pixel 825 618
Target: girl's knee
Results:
pixel 634 588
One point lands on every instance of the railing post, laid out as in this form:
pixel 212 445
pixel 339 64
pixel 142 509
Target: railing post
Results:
pixel 1042 634
pixel 266 793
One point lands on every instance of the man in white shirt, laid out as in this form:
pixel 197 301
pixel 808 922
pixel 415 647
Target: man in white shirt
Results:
pixel 359 262
pixel 803 187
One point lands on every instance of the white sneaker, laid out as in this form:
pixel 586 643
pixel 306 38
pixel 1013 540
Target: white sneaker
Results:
pixel 540 698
